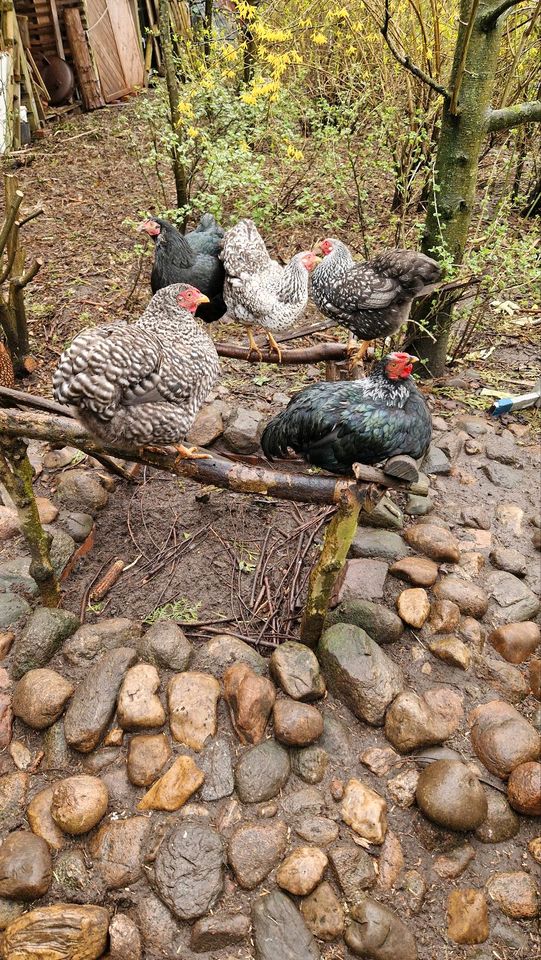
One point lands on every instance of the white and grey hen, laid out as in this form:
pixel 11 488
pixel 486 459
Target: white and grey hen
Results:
pixel 258 290
pixel 142 383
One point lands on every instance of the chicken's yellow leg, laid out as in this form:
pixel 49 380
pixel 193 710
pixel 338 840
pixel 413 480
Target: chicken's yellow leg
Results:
pixel 191 453
pixel 357 355
pixel 274 346
pixel 253 345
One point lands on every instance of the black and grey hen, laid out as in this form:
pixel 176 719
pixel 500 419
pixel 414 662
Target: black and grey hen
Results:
pixel 189 258
pixel 141 383
pixel 373 299
pixel 334 425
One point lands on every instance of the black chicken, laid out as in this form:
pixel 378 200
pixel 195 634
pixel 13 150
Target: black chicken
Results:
pixel 373 299
pixel 334 425
pixel 192 259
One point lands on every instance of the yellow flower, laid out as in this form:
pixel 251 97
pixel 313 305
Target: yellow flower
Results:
pixel 192 132
pixel 185 109
pixel 319 38
pixel 295 154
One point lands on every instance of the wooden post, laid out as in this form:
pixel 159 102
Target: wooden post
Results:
pixel 87 80
pixel 338 537
pixel 16 474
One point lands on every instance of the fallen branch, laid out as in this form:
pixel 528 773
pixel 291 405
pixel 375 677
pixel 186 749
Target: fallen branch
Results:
pixel 320 352
pixel 216 470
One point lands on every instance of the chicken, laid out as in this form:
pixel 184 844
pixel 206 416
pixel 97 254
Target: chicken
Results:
pixel 334 425
pixel 373 299
pixel 257 290
pixel 142 383
pixel 191 258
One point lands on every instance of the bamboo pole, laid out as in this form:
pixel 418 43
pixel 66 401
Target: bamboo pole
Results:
pixel 16 474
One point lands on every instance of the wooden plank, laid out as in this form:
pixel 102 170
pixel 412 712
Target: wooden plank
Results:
pixel 127 42
pixel 84 69
pixel 56 28
pixel 103 44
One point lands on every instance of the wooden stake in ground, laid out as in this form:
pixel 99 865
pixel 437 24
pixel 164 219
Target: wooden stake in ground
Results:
pixel 338 538
pixel 16 475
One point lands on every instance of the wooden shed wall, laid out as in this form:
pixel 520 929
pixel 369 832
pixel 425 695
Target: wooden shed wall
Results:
pixel 40 25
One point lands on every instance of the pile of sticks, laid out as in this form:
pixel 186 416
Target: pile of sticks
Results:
pixel 21 80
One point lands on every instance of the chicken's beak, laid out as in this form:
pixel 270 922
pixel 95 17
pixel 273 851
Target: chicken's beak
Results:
pixel 202 299
pixel 414 359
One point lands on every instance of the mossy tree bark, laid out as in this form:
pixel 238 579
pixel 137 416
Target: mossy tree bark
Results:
pixel 338 537
pixel 466 121
pixel 16 474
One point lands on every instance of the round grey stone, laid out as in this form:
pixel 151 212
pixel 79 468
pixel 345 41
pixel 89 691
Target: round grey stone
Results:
pixel 262 772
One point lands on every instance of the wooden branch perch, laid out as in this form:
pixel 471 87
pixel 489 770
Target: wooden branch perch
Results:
pixel 31 216
pixel 324 352
pixel 20 282
pixel 11 216
pixel 508 117
pixel 405 61
pixel 489 20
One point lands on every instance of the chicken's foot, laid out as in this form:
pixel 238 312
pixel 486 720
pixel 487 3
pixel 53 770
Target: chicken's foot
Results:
pixel 191 453
pixel 274 346
pixel 358 354
pixel 253 345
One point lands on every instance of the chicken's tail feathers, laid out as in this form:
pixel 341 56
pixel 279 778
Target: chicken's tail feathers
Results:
pixel 208 223
pixel 244 249
pixel 274 440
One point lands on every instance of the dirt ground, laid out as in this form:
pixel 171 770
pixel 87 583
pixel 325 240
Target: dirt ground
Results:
pixel 200 550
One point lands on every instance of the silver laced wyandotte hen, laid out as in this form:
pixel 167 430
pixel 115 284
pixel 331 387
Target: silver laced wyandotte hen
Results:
pixel 142 383
pixel 334 425
pixel 258 291
pixel 373 299
pixel 189 258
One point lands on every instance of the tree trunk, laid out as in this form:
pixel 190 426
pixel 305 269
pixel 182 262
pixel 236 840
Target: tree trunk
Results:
pixel 533 205
pixel 179 172
pixel 464 127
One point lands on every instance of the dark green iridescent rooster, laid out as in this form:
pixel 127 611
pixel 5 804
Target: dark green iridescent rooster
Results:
pixel 334 425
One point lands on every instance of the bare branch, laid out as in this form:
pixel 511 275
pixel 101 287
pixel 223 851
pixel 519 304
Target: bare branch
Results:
pixel 11 214
pixel 20 282
pixel 405 61
pixel 31 216
pixel 508 117
pixel 490 19
pixel 323 351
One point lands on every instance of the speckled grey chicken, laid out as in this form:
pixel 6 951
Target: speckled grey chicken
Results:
pixel 373 299
pixel 334 425
pixel 142 383
pixel 258 290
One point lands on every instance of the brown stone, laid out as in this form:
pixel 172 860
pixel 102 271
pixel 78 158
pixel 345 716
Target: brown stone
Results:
pixel 176 786
pixel 41 821
pixel 114 738
pixel 117 851
pixel 472 632
pixel 413 606
pixel 524 788
pixel 452 651
pixel 20 754
pixel 534 849
pixel 504 678
pixel 6 643
pixel 420 571
pixel 219 931
pixel 434 541
pixel 364 811
pixel 147 755
pixel 500 823
pixel 354 869
pixel 516 641
pixel 379 761
pixel 296 724
pixel 534 671
pixel 138 706
pixel 472 600
pixel 93 703
pixel 502 738
pixel 40 697
pixel 193 699
pixel 26 868
pixel 323 913
pixel 13 789
pixel 254 849
pixel 250 699
pixel 302 870
pixel 453 864
pixel 124 939
pixel 515 893
pixel 444 616
pixel 6 712
pixel 450 795
pixel 79 803
pixel 65 930
pixel 420 721
pixel 207 426
pixel 401 788
pixel 391 862
pixel 467 914
pixel 378 933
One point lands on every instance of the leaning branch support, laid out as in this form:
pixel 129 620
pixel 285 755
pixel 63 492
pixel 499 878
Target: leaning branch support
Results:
pixel 509 117
pixel 320 352
pixel 16 475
